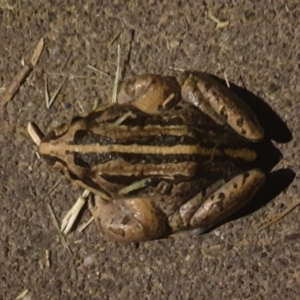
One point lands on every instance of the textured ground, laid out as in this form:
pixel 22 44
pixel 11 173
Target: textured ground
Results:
pixel 234 261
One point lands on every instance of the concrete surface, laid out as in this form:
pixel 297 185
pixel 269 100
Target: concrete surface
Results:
pixel 234 261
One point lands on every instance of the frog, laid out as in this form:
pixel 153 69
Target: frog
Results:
pixel 173 155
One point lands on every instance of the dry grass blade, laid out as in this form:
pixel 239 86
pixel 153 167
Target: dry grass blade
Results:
pixel 47 254
pixel 134 186
pixel 65 62
pixel 46 91
pixel 37 52
pixel 97 70
pixel 14 86
pixel 121 120
pixel 128 56
pixel 115 89
pixel 95 105
pixel 2 89
pixel 212 17
pixel 22 295
pixel 48 105
pixel 53 188
pixel 115 38
pixel 73 213
pixel 85 225
pixel 35 136
pixel 60 234
pixel 280 216
pixel 226 79
pixel 220 24
pixel 67 74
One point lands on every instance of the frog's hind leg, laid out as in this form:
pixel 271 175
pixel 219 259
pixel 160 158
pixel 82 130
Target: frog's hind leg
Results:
pixel 222 105
pixel 223 202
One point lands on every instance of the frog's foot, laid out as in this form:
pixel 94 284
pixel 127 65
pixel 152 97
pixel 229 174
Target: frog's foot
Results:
pixel 150 93
pixel 128 220
pixel 221 203
pixel 222 105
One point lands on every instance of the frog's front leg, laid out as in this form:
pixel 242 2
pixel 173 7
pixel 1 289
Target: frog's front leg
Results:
pixel 129 220
pixel 220 104
pixel 205 211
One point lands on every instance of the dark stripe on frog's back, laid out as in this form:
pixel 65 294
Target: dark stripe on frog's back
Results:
pixel 137 136
pixel 90 159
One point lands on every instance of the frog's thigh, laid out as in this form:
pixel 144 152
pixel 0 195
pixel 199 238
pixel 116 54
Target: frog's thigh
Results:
pixel 228 199
pixel 128 220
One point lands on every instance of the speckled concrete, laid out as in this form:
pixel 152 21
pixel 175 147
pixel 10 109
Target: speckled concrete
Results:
pixel 234 261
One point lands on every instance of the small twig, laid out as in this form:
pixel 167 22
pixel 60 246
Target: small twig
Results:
pixel 15 84
pixel 12 89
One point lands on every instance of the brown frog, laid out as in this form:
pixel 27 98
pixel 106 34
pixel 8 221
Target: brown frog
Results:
pixel 173 154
